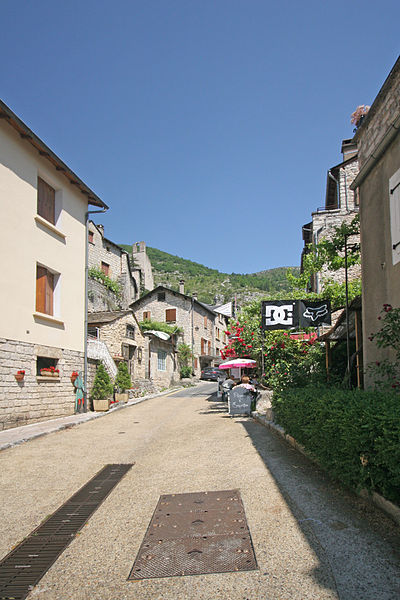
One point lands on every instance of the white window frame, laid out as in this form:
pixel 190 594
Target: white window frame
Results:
pixel 161 360
pixel 394 200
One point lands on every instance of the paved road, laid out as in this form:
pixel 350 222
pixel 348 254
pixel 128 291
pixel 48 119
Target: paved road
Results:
pixel 312 539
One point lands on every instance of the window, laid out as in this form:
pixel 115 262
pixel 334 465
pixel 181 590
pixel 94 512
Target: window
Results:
pixel 44 290
pixel 147 316
pixel 203 346
pixel 161 296
pixel 130 332
pixel 105 268
pixel 196 363
pixel 161 360
pixel 394 198
pixel 205 322
pixel 209 347
pixel 170 315
pixel 43 362
pixel 46 198
pixel 217 333
pixel 90 237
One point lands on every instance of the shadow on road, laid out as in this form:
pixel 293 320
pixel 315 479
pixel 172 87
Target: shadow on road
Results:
pixel 352 540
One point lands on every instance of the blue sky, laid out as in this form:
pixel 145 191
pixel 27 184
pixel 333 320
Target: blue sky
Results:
pixel 207 126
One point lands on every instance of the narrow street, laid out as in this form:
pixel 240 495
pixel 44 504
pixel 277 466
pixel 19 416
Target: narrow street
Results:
pixel 311 538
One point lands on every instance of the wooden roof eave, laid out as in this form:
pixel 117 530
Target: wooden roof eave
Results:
pixel 28 135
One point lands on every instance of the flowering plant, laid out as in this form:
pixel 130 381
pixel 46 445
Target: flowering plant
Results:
pixel 20 372
pixel 358 115
pixel 49 370
pixel 74 374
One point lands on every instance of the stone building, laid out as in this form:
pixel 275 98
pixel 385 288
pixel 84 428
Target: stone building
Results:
pixel 143 266
pixel 150 355
pixel 112 260
pixel 203 328
pixel 341 206
pixel 43 210
pixel 378 187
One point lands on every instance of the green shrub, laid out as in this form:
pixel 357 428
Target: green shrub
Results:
pixel 160 326
pixel 110 284
pixel 102 386
pixel 186 371
pixel 354 434
pixel 123 378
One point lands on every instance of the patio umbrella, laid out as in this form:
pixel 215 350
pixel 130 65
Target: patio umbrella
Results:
pixel 238 363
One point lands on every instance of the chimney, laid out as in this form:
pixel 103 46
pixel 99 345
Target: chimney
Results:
pixel 349 149
pixel 182 286
pixel 194 295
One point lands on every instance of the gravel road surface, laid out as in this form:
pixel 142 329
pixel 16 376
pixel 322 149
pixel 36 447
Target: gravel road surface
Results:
pixel 312 539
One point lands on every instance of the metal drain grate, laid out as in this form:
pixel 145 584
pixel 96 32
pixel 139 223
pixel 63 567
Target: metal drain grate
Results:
pixel 193 534
pixel 24 566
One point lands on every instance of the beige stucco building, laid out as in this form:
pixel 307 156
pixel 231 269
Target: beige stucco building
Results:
pixel 43 207
pixel 378 186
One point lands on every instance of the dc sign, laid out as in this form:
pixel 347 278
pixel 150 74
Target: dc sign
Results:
pixel 289 314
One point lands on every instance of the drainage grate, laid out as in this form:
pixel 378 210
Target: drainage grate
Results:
pixel 24 566
pixel 193 534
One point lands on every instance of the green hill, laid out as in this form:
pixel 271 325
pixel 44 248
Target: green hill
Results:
pixel 210 284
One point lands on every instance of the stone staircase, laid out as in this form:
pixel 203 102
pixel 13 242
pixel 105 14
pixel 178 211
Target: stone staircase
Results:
pixel 98 350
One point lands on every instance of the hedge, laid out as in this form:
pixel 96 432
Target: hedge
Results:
pixel 353 434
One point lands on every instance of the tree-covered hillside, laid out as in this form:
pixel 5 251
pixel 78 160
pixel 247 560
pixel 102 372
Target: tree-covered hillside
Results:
pixel 210 284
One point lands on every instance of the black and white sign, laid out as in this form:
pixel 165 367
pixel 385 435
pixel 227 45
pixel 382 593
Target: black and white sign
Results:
pixel 279 314
pixel 290 314
pixel 239 401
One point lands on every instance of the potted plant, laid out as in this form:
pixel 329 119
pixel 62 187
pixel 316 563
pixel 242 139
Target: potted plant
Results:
pixel 122 382
pixel 49 372
pixel 102 389
pixel 74 375
pixel 19 376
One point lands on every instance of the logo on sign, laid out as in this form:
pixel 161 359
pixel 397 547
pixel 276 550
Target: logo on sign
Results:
pixel 316 313
pixel 279 315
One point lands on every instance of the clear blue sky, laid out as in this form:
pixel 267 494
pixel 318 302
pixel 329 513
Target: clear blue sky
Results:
pixel 206 126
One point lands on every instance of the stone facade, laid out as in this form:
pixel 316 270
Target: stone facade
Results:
pixel 107 256
pixel 35 398
pixel 378 185
pixel 340 207
pixel 124 339
pixel 197 321
pixel 143 266
pixel 162 363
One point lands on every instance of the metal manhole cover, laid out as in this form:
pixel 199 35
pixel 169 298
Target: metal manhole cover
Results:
pixel 193 534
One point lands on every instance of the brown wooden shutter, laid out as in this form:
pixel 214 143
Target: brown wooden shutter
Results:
pixel 44 290
pixel 202 346
pixel 46 201
pixel 41 282
pixel 49 293
pixel 170 315
pixel 209 347
pixel 205 322
pixel 146 316
pixel 105 268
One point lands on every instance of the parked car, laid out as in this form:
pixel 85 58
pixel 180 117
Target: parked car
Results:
pixel 211 373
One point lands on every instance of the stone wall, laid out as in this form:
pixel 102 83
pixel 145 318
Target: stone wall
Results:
pixel 102 250
pixel 162 379
pixel 142 261
pixel 383 112
pixel 35 398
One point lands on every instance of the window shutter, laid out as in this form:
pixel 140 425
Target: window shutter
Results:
pixel 46 201
pixel 41 282
pixel 146 316
pixel 209 347
pixel 105 268
pixel 394 196
pixel 205 322
pixel 49 293
pixel 170 315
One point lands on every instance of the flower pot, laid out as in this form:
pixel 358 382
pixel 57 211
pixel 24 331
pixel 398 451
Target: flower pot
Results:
pixel 19 376
pixel 122 397
pixel 101 405
pixel 44 373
